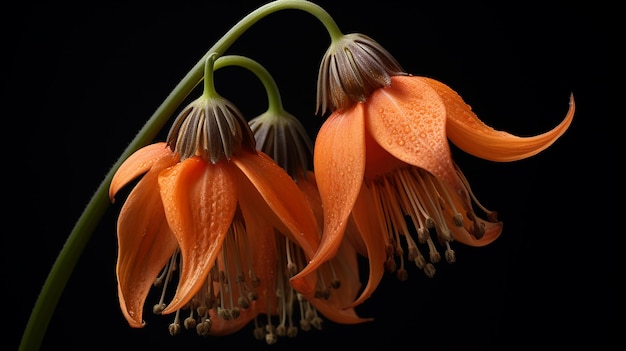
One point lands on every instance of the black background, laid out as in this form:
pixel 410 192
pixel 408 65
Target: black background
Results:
pixel 81 80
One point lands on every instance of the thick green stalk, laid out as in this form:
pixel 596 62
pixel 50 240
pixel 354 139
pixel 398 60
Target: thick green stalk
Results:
pixel 99 202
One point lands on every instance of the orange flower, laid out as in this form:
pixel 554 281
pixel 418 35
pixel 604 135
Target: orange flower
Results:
pixel 382 157
pixel 282 136
pixel 205 213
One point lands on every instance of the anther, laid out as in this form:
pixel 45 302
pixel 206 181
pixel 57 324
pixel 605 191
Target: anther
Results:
pixel 457 219
pixel 423 234
pixel 449 253
pixel 174 329
pixel 204 328
pixel 402 275
pixel 420 261
pixel 270 337
pixel 224 313
pixel 243 302
pixel 292 331
pixel 158 308
pixel 317 322
pixel 390 264
pixel 281 330
pixel 189 323
pixel 429 270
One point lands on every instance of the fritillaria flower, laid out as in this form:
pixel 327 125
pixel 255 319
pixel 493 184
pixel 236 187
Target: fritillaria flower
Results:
pixel 281 135
pixel 382 160
pixel 202 221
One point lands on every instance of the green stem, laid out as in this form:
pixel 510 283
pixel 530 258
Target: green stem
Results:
pixel 274 102
pixel 209 83
pixel 99 202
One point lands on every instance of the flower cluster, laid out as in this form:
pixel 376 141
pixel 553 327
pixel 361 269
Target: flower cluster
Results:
pixel 238 221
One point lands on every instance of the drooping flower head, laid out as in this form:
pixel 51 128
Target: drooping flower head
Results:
pixel 202 221
pixel 281 135
pixel 384 162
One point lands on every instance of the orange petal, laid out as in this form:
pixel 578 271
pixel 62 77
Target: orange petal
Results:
pixel 346 270
pixel 145 243
pixel 474 137
pixel 308 187
pixel 373 234
pixel 137 164
pixel 408 119
pixel 345 265
pixel 200 200
pixel 339 164
pixel 280 194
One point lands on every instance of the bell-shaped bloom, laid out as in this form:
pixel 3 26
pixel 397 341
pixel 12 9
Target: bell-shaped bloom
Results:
pixel 282 136
pixel 201 222
pixel 385 164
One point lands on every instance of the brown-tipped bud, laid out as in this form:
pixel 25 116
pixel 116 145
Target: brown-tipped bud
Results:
pixel 210 127
pixel 352 68
pixel 284 139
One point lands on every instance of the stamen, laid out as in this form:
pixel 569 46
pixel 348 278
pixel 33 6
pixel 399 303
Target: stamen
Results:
pixel 258 331
pixel 412 205
pixel 238 236
pixel 169 268
pixel 204 327
pixel 175 328
pixel 190 322
pixel 292 269
pixel 450 255
pixel 281 274
pixel 270 337
pixel 432 251
pixel 492 216
pixel 443 232
pixel 397 223
pixel 390 265
pixel 457 217
pixel 304 323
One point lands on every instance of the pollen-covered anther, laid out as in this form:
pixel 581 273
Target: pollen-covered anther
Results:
pixel 292 331
pixel 305 324
pixel 189 323
pixel 317 322
pixel 457 219
pixel 281 330
pixel 270 337
pixel 402 275
pixel 390 264
pixel 174 329
pixel 204 327
pixel 243 302
pixel 420 261
pixel 429 270
pixel 158 308
pixel 449 254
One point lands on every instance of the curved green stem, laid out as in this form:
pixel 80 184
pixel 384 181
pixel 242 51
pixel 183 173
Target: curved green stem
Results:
pixel 274 102
pixel 99 202
pixel 209 82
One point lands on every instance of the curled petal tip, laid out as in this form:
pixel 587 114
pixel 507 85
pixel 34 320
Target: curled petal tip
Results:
pixel 473 136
